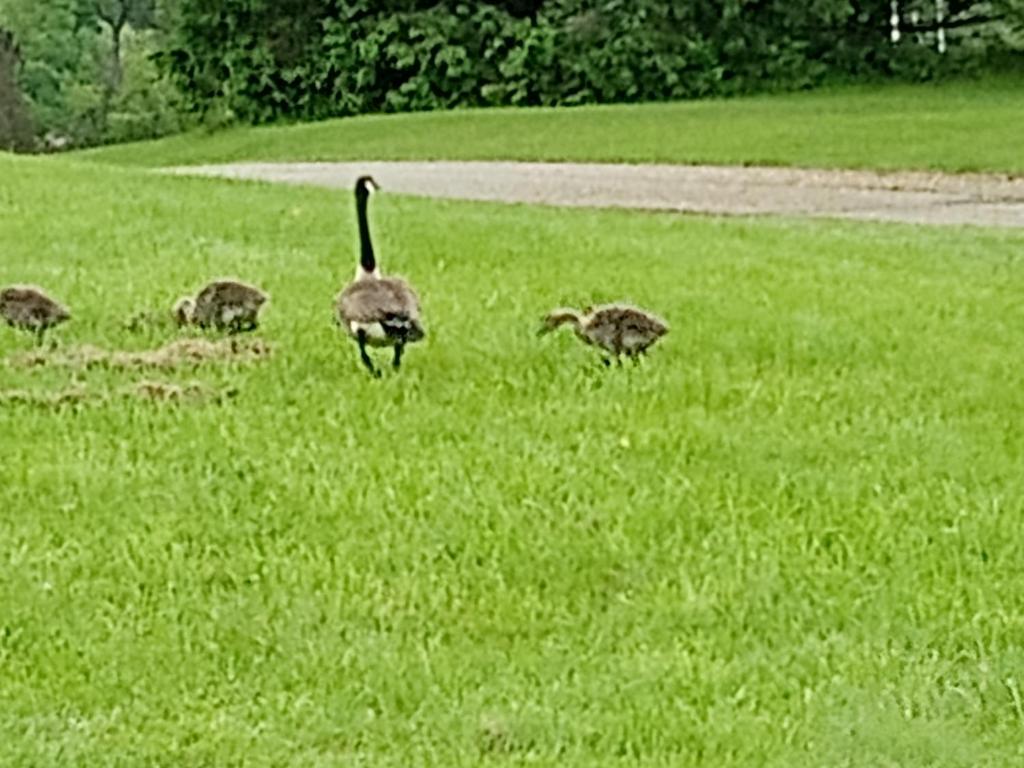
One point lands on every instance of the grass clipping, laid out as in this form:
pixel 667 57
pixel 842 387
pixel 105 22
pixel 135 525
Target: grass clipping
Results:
pixel 177 354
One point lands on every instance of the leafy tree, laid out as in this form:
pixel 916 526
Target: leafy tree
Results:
pixel 16 131
pixel 87 67
pixel 59 64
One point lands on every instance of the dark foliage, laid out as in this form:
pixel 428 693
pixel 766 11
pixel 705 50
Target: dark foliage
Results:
pixel 16 130
pixel 259 60
pixel 96 71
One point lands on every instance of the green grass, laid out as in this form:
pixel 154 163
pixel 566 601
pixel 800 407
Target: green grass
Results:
pixel 956 126
pixel 791 538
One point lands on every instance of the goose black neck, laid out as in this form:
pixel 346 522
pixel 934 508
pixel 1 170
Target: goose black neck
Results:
pixel 366 258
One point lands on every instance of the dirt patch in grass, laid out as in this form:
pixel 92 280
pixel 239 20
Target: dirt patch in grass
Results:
pixel 177 354
pixel 170 392
pixel 72 395
pixel 188 393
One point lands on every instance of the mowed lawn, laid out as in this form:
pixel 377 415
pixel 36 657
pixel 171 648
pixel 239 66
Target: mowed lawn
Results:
pixel 967 125
pixel 792 537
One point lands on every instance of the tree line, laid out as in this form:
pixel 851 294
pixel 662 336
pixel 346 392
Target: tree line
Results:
pixel 79 72
pixel 82 72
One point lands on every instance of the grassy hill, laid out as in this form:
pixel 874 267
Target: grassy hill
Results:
pixel 954 126
pixel 791 537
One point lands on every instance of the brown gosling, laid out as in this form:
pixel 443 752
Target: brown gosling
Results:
pixel 374 310
pixel 30 309
pixel 618 329
pixel 226 305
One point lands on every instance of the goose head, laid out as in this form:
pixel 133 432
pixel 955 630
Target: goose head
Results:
pixel 558 317
pixel 184 311
pixel 366 186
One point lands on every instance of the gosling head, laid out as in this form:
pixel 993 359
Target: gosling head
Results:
pixel 557 317
pixel 184 311
pixel 366 186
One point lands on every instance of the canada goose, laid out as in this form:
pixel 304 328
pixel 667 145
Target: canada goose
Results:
pixel 223 304
pixel 375 310
pixel 616 328
pixel 28 308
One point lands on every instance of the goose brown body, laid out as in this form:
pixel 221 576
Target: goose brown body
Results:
pixel 385 309
pixel 224 305
pixel 619 329
pixel 29 308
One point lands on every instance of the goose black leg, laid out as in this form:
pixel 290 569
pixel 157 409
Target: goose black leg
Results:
pixel 399 348
pixel 361 338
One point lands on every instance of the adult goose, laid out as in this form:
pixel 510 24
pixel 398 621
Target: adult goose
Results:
pixel 619 329
pixel 226 305
pixel 30 309
pixel 374 310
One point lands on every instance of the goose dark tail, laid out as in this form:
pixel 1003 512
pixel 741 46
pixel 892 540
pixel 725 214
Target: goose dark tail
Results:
pixel 405 329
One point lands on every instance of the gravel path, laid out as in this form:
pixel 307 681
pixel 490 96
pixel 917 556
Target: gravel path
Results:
pixel 918 197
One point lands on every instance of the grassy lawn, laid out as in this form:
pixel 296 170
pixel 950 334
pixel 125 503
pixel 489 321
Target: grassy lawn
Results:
pixel 962 126
pixel 791 538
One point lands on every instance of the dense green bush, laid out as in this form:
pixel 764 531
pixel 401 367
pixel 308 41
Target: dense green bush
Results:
pixel 259 60
pixel 95 71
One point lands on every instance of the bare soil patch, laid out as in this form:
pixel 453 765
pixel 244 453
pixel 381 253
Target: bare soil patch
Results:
pixel 180 353
pixel 188 393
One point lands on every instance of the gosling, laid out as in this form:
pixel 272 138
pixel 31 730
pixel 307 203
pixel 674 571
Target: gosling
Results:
pixel 618 329
pixel 226 305
pixel 28 308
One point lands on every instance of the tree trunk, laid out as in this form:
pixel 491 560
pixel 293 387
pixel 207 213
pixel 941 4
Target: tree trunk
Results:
pixel 16 130
pixel 116 65
pixel 115 18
